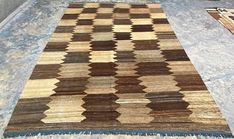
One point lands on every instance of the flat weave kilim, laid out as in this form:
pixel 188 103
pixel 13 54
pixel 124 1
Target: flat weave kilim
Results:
pixel 115 68
pixel 224 16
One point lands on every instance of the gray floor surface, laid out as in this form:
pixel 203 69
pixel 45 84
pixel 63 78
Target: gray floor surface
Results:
pixel 208 44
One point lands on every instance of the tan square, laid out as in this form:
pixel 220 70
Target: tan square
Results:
pixel 139 10
pixel 143 21
pixel 122 5
pixel 71 70
pixel 61 37
pixel 79 46
pixel 121 16
pixel 86 16
pixel 143 36
pixel 73 11
pixel 67 23
pixel 103 22
pixel 91 5
pixel 102 36
pixel 102 56
pixel 105 10
pixel 162 27
pixel 154 5
pixel 124 45
pixel 83 29
pixel 158 15
pixel 122 28
pixel 51 58
pixel 148 56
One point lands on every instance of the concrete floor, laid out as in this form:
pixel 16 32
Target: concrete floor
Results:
pixel 208 44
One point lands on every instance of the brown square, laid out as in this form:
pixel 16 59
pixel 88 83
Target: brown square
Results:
pixel 142 28
pixel 102 5
pixel 121 10
pixel 70 16
pixel 84 22
pixel 102 28
pixel 89 10
pixel 81 37
pixel 122 36
pixel 104 16
pixel 134 16
pixel 122 22
pixel 138 6
pixel 160 21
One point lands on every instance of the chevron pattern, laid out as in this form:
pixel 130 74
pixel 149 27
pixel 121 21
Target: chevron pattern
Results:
pixel 115 66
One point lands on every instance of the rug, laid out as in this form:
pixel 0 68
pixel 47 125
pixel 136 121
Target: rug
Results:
pixel 224 16
pixel 115 69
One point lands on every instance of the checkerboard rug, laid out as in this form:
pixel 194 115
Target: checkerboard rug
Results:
pixel 113 69
pixel 224 16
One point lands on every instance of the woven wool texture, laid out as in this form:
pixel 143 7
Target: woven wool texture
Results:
pixel 224 16
pixel 115 66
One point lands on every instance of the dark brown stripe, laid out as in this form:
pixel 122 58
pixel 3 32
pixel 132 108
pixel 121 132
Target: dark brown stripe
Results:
pixel 29 111
pixel 77 57
pixel 81 37
pixel 190 82
pixel 71 86
pixel 103 69
pixel 142 28
pixel 103 5
pixel 56 46
pixel 64 29
pixel 122 36
pixel 146 44
pixel 121 10
pixel 160 21
pixel 104 28
pixel 70 16
pixel 103 45
pixel 89 10
pixel 139 16
pixel 152 68
pixel 104 16
pixel 175 55
pixel 84 22
pixel 122 22
pixel 75 6
pixel 45 71
pixel 125 56
pixel 138 6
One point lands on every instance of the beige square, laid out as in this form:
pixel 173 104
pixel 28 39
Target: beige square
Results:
pixel 158 15
pixel 154 5
pixel 162 27
pixel 148 56
pixel 102 36
pixel 71 70
pixel 139 10
pixel 143 36
pixel 91 5
pixel 122 28
pixel 51 58
pixel 122 5
pixel 83 29
pixel 73 11
pixel 121 16
pixel 103 22
pixel 124 45
pixel 61 37
pixel 105 10
pixel 67 23
pixel 102 56
pixel 143 21
pixel 86 16
pixel 79 47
